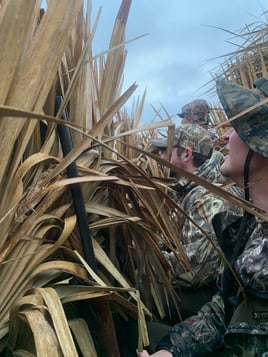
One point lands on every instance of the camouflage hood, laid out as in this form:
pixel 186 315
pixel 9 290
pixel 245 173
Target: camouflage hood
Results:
pixel 210 170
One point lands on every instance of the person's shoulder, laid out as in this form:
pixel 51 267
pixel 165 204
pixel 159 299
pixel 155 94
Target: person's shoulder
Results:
pixel 195 196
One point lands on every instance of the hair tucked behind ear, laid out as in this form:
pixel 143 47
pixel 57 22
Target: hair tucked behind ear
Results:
pixel 180 150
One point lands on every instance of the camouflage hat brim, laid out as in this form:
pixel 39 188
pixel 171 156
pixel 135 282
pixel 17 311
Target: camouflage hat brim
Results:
pixel 191 135
pixel 160 144
pixel 251 127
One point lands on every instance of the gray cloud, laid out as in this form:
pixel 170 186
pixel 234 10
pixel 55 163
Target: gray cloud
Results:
pixel 173 62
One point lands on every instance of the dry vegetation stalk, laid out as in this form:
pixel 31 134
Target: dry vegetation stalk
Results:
pixel 39 235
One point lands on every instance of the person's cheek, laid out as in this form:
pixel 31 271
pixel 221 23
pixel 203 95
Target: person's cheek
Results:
pixel 164 156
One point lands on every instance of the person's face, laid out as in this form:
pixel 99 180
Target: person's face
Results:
pixel 175 159
pixel 233 165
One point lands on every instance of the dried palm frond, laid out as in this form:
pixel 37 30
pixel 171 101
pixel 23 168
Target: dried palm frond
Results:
pixel 247 62
pixel 39 228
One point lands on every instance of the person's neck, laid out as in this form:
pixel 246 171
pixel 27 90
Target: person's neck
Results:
pixel 259 194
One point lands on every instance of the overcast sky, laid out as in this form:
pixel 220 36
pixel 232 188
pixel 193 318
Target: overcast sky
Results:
pixel 174 61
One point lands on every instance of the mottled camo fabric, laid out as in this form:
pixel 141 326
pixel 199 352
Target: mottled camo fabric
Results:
pixel 195 112
pixel 204 334
pixel 194 136
pixel 252 265
pixel 252 127
pixel 200 206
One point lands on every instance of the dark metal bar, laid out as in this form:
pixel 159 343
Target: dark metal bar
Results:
pixel 78 200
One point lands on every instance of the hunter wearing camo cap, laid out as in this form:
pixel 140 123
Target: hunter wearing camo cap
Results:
pixel 192 150
pixel 189 135
pixel 195 112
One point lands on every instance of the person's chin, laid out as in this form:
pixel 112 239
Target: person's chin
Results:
pixel 223 169
pixel 225 163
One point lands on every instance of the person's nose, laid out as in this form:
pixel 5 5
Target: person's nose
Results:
pixel 164 155
pixel 226 135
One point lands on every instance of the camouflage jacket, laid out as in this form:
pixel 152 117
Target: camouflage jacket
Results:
pixel 247 334
pixel 200 206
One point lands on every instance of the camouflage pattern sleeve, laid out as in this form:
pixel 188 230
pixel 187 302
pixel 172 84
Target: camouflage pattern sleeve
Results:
pixel 197 232
pixel 252 265
pixel 197 335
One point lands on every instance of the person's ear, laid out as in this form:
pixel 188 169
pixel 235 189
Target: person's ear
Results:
pixel 188 153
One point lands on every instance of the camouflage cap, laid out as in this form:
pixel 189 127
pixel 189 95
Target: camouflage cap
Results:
pixel 194 136
pixel 251 127
pixel 195 112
